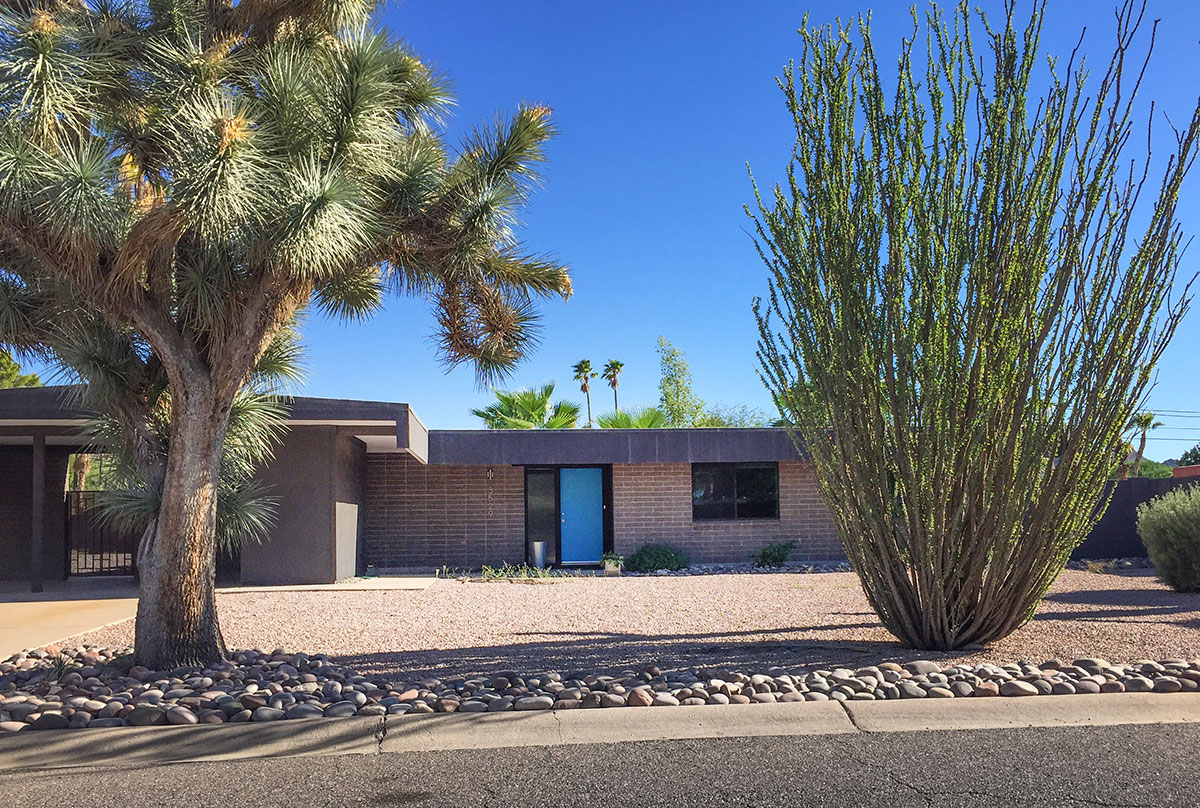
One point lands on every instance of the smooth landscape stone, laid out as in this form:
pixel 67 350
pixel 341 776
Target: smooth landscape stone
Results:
pixel 1166 684
pixel 340 709
pixel 305 710
pixel 717 698
pixel 940 693
pixel 1112 687
pixel 372 710
pixel 921 666
pixel 180 716
pixel 612 700
pixel 12 726
pixel 106 723
pixel 639 697
pixel 267 714
pixel 1016 687
pixel 534 703
pixel 146 715
pixel 51 720
pixel 909 690
pixel 1062 689
pixel 472 706
pixel 1138 684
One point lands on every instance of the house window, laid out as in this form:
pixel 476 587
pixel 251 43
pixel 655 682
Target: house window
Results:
pixel 735 491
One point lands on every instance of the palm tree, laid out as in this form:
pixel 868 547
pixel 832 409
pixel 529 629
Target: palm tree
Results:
pixel 199 174
pixel 645 418
pixel 1142 423
pixel 611 373
pixel 584 375
pixel 530 408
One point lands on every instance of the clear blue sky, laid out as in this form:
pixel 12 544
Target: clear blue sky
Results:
pixel 660 105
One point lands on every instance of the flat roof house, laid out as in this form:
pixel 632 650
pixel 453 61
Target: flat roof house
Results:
pixel 364 485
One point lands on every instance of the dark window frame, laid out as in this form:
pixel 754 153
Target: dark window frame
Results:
pixel 725 506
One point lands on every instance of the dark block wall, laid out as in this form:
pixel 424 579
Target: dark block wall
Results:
pixel 16 514
pixel 1115 535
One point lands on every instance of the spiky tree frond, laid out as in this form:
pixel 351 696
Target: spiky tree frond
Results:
pixel 530 408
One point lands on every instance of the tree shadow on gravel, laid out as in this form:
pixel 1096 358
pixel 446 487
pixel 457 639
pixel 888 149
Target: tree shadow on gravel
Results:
pixel 1102 605
pixel 612 653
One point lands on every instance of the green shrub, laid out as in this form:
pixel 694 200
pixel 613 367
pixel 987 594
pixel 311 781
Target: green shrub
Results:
pixel 1170 527
pixel 651 557
pixel 774 555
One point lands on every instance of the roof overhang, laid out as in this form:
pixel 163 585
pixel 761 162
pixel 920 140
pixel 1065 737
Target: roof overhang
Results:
pixel 382 426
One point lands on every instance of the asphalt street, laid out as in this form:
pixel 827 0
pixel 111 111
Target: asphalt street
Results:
pixel 1114 767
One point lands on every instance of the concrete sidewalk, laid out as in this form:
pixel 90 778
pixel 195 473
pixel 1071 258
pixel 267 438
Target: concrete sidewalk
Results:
pixel 126 746
pixel 375 583
pixel 35 623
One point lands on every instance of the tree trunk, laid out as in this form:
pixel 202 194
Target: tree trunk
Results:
pixel 1137 461
pixel 615 407
pixel 177 617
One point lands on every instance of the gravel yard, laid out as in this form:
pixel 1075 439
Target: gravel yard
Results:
pixel 601 624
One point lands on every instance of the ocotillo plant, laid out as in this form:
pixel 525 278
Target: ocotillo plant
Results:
pixel 961 317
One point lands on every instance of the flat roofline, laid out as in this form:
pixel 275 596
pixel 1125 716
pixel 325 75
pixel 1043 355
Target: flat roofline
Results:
pixel 519 447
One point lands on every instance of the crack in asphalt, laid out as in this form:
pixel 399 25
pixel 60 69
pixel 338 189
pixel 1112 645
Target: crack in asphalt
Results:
pixel 381 732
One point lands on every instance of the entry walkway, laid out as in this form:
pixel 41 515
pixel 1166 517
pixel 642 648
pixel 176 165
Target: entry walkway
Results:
pixel 30 620
pixel 80 605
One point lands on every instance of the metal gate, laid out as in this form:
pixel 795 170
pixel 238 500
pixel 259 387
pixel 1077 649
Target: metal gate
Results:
pixel 94 547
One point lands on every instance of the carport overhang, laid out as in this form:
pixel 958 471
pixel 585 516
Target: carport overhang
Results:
pixel 48 416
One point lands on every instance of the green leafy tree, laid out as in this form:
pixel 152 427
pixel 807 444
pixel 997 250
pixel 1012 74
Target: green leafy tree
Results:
pixel 954 270
pixel 1191 457
pixel 584 375
pixel 645 418
pixel 612 375
pixel 734 416
pixel 531 408
pixel 11 375
pixel 678 402
pixel 1142 424
pixel 201 172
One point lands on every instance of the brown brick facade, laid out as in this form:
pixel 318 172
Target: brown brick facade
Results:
pixel 429 516
pixel 419 516
pixel 652 503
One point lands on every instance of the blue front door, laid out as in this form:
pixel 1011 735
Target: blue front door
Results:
pixel 581 496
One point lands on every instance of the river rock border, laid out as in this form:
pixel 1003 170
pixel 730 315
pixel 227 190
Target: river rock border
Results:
pixel 82 688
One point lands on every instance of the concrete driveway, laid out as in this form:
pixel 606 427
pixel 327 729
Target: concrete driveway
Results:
pixel 32 621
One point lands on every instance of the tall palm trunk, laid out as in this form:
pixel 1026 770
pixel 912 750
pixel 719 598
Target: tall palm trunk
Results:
pixel 1137 461
pixel 587 394
pixel 615 407
pixel 177 617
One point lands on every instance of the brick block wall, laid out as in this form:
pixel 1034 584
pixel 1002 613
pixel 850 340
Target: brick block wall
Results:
pixel 652 503
pixel 428 516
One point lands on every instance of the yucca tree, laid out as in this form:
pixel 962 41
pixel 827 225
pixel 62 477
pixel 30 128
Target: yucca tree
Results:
pixel 530 408
pixel 969 289
pixel 584 374
pixel 612 374
pixel 200 172
pixel 644 418
pixel 1142 424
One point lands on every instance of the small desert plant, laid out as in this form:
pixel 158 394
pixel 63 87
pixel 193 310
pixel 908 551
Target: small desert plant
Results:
pixel 1098 567
pixel 651 557
pixel 1170 527
pixel 774 555
pixel 60 665
pixel 612 558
